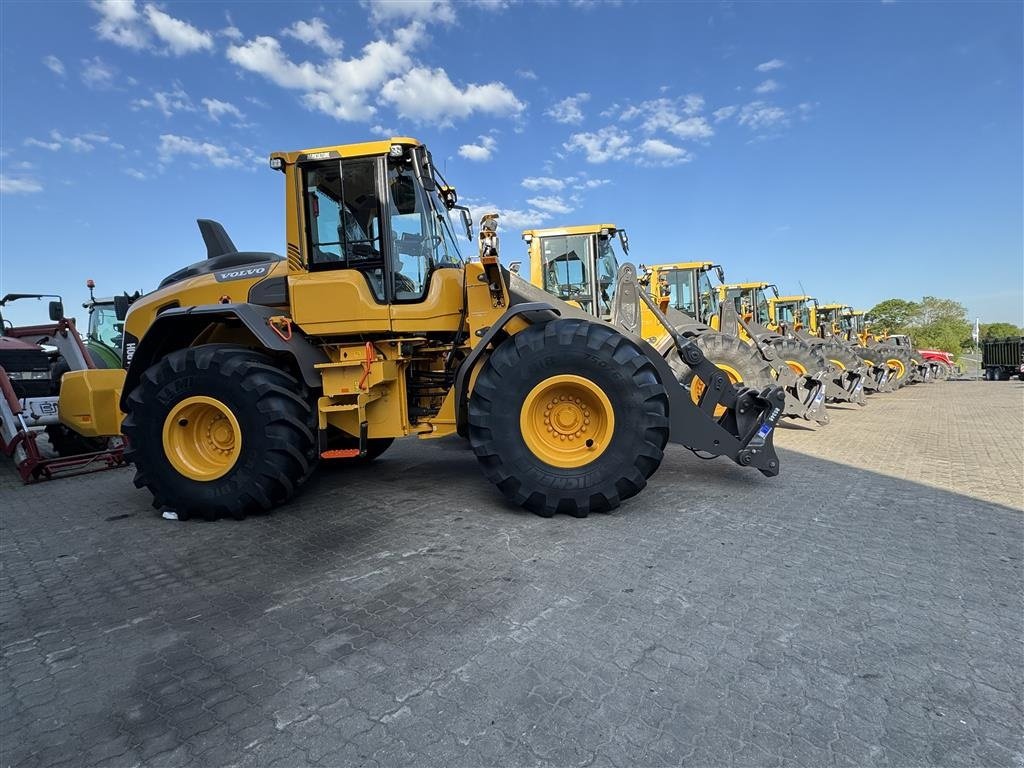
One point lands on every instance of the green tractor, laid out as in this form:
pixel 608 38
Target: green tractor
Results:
pixel 105 330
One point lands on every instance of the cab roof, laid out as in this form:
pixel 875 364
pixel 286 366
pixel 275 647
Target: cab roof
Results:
pixel 683 265
pixel 793 298
pixel 363 149
pixel 582 229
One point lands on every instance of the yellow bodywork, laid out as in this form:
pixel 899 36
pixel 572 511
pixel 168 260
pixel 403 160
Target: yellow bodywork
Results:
pixel 90 401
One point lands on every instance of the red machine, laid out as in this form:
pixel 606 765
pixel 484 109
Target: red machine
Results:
pixel 32 361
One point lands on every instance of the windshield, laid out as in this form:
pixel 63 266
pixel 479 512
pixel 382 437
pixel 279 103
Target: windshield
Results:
pixel 564 260
pixel 784 312
pixel 607 269
pixel 762 317
pixel 676 285
pixel 708 295
pixel 104 326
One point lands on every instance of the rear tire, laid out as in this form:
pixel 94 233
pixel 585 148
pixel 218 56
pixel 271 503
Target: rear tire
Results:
pixel 272 448
pixel 618 388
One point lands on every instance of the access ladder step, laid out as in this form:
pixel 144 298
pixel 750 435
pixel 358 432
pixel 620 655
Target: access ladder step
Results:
pixel 340 453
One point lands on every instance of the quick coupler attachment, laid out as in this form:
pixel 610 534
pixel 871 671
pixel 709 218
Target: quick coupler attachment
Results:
pixel 757 413
pixel 812 391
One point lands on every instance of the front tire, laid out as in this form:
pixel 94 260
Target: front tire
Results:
pixel 740 362
pixel 568 417
pixel 219 430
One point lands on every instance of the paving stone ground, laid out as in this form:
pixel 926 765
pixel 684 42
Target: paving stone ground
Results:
pixel 864 608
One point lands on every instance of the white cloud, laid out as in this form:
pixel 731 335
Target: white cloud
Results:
pixel 120 23
pixel 216 155
pixel 758 115
pixel 679 117
pixel 608 143
pixel 54 64
pixel 509 219
pixel 526 74
pixel 216 109
pixel 314 32
pixel 168 102
pixel 481 151
pixel 770 65
pixel 568 109
pixel 135 174
pixel 339 87
pixel 768 86
pixel 386 11
pixel 97 74
pixel 381 130
pixel 85 142
pixel 658 152
pixel 595 183
pixel 231 32
pixel 551 204
pixel 543 182
pixel 724 113
pixel 180 36
pixel 22 185
pixel 428 95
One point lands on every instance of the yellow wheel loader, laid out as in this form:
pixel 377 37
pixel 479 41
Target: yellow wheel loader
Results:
pixel 578 265
pixel 843 323
pixel 245 370
pixel 795 317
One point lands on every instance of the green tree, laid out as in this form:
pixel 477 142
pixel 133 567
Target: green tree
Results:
pixel 1000 330
pixel 940 324
pixel 894 315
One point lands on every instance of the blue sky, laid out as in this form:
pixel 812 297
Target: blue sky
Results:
pixel 863 150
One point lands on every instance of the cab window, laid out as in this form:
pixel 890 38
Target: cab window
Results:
pixel 565 268
pixel 678 286
pixel 708 298
pixel 343 216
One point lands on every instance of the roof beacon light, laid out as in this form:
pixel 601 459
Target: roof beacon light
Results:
pixel 397 150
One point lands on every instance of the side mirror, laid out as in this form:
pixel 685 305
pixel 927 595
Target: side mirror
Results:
pixel 721 273
pixel 56 311
pixel 121 304
pixel 514 267
pixel 624 239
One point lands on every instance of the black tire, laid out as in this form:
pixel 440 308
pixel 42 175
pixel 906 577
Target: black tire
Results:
pixel 607 360
pixel 887 352
pixel 801 354
pixel 726 352
pixel 67 442
pixel 273 412
pixel 840 356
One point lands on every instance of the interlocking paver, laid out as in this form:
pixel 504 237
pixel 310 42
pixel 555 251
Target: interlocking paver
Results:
pixel 862 608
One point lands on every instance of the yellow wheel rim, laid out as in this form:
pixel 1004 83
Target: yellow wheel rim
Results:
pixel 796 367
pixel 202 439
pixel 567 421
pixel 901 370
pixel 838 364
pixel 697 387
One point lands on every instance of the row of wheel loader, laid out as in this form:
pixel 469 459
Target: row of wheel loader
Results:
pixel 817 354
pixel 244 371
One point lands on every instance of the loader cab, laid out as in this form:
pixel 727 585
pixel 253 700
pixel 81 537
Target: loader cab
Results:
pixel 578 264
pixel 791 312
pixel 688 288
pixel 751 301
pixel 368 230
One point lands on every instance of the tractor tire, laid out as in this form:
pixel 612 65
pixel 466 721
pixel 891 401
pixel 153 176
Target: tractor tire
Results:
pixel 568 417
pixel 219 430
pixel 802 358
pixel 740 362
